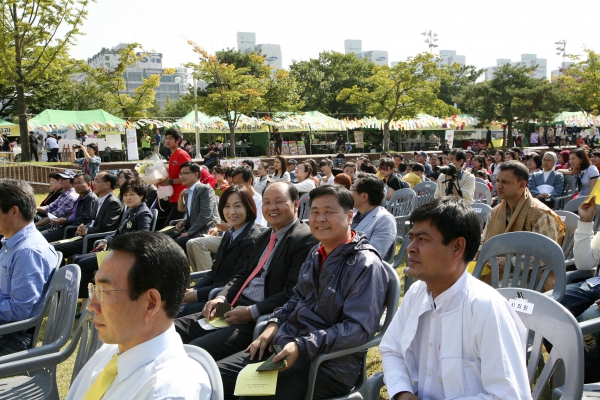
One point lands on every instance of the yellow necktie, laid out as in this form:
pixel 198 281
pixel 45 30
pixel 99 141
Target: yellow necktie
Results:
pixel 102 383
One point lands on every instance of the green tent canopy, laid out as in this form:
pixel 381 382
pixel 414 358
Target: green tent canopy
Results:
pixel 79 120
pixel 8 128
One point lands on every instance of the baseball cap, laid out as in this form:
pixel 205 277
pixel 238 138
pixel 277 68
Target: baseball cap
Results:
pixel 292 161
pixel 421 153
pixel 67 174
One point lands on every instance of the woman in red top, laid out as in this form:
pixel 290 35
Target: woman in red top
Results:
pixel 178 157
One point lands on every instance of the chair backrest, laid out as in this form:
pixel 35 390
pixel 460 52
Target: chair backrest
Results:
pixel 482 193
pixel 494 192
pixel 478 179
pixel 402 259
pixel 154 219
pixel 568 192
pixel 303 208
pixel 551 321
pixel 570 220
pixel 574 204
pixel 483 211
pixel 425 192
pixel 402 203
pixel 210 366
pixel 526 271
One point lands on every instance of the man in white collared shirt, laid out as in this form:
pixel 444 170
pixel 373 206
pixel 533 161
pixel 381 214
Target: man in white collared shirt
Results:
pixel 453 336
pixel 139 288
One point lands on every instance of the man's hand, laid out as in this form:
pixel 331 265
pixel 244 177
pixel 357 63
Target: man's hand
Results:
pixel 212 232
pixel 239 315
pixel 41 210
pixel 180 225
pixel 82 230
pixel 164 182
pixel 101 246
pixel 263 341
pixel 405 396
pixel 210 308
pixel 598 304
pixel 189 296
pixel 58 221
pixel 222 226
pixel 184 234
pixel 587 211
pixel 290 352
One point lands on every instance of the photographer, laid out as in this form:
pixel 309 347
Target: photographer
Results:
pixel 90 162
pixel 453 171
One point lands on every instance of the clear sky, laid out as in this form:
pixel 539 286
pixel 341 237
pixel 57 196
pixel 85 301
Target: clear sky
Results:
pixel 481 30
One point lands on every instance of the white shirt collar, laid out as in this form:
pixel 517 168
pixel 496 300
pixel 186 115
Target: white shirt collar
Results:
pixel 144 353
pixel 449 293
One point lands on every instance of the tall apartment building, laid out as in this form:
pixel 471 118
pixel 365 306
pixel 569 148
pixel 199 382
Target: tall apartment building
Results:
pixel 563 66
pixel 449 57
pixel 527 60
pixel 379 57
pixel 246 43
pixel 171 86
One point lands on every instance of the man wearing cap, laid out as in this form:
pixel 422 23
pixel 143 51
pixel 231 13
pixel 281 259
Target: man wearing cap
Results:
pixel 421 158
pixel 63 206
pixel 291 168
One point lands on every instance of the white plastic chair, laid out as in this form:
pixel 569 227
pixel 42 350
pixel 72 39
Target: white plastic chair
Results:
pixel 210 366
pixel 425 192
pixel 303 208
pixel 482 193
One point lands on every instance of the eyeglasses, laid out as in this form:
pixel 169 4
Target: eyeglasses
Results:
pixel 384 169
pixel 182 174
pixel 99 291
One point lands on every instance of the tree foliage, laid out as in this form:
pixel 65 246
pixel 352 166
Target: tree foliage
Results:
pixel 34 41
pixel 581 82
pixel 403 91
pixel 458 78
pixel 281 93
pixel 321 80
pixel 513 95
pixel 232 90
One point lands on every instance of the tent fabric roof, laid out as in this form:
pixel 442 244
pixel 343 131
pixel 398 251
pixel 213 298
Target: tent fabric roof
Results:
pixel 6 124
pixel 76 119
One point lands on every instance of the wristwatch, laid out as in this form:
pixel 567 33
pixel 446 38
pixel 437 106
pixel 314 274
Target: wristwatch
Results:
pixel 170 181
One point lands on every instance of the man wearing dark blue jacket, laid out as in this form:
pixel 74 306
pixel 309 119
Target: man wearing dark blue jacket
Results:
pixel 336 304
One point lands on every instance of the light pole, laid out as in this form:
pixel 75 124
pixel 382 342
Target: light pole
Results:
pixel 196 116
pixel 431 39
pixel 562 49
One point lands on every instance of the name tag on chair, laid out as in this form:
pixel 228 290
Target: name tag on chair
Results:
pixel 521 305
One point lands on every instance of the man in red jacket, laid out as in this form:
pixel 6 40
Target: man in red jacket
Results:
pixel 178 158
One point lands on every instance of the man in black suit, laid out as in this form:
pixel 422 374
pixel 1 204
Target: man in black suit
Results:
pixel 84 209
pixel 199 203
pixel 106 219
pixel 263 284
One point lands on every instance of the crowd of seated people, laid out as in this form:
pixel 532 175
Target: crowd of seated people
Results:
pixel 242 228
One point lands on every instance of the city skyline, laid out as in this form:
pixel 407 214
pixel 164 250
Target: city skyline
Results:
pixel 480 33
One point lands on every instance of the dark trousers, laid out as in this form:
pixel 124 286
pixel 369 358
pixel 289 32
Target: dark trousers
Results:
pixel 291 383
pixel 70 248
pixel 53 154
pixel 219 343
pixel 278 148
pixel 34 153
pixel 15 342
pixel 190 308
pixel 88 263
pixel 180 241
pixel 174 213
pixel 54 235
pixel 146 152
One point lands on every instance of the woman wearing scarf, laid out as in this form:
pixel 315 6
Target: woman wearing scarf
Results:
pixel 584 173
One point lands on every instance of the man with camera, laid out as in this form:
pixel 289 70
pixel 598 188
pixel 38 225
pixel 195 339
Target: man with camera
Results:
pixel 453 180
pixel 90 162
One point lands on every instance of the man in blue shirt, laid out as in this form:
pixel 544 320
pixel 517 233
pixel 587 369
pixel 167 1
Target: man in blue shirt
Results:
pixel 26 262
pixel 156 142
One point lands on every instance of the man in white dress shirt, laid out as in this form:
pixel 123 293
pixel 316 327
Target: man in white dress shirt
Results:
pixel 139 288
pixel 453 336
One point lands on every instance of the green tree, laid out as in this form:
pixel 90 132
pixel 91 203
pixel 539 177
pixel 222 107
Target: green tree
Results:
pixel 581 82
pixel 513 95
pixel 232 91
pixel 403 91
pixel 321 80
pixel 281 93
pixel 180 107
pixel 34 40
pixel 457 79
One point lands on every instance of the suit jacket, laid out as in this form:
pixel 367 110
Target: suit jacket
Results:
pixel 86 209
pixel 138 219
pixel 229 260
pixel 555 179
pixel 284 267
pixel 204 210
pixel 108 216
pixel 379 226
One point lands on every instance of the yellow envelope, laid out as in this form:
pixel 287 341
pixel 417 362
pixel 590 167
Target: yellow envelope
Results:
pixel 471 268
pixel 73 239
pixel 100 256
pixel 218 322
pixel 252 383
pixel 595 192
pixel 167 228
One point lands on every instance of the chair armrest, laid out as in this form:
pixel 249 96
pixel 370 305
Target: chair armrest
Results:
pixel 579 275
pixel 590 326
pixel 198 275
pixel 99 235
pixel 261 324
pixel 314 365
pixel 18 326
pixel 174 222
pixel 69 229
